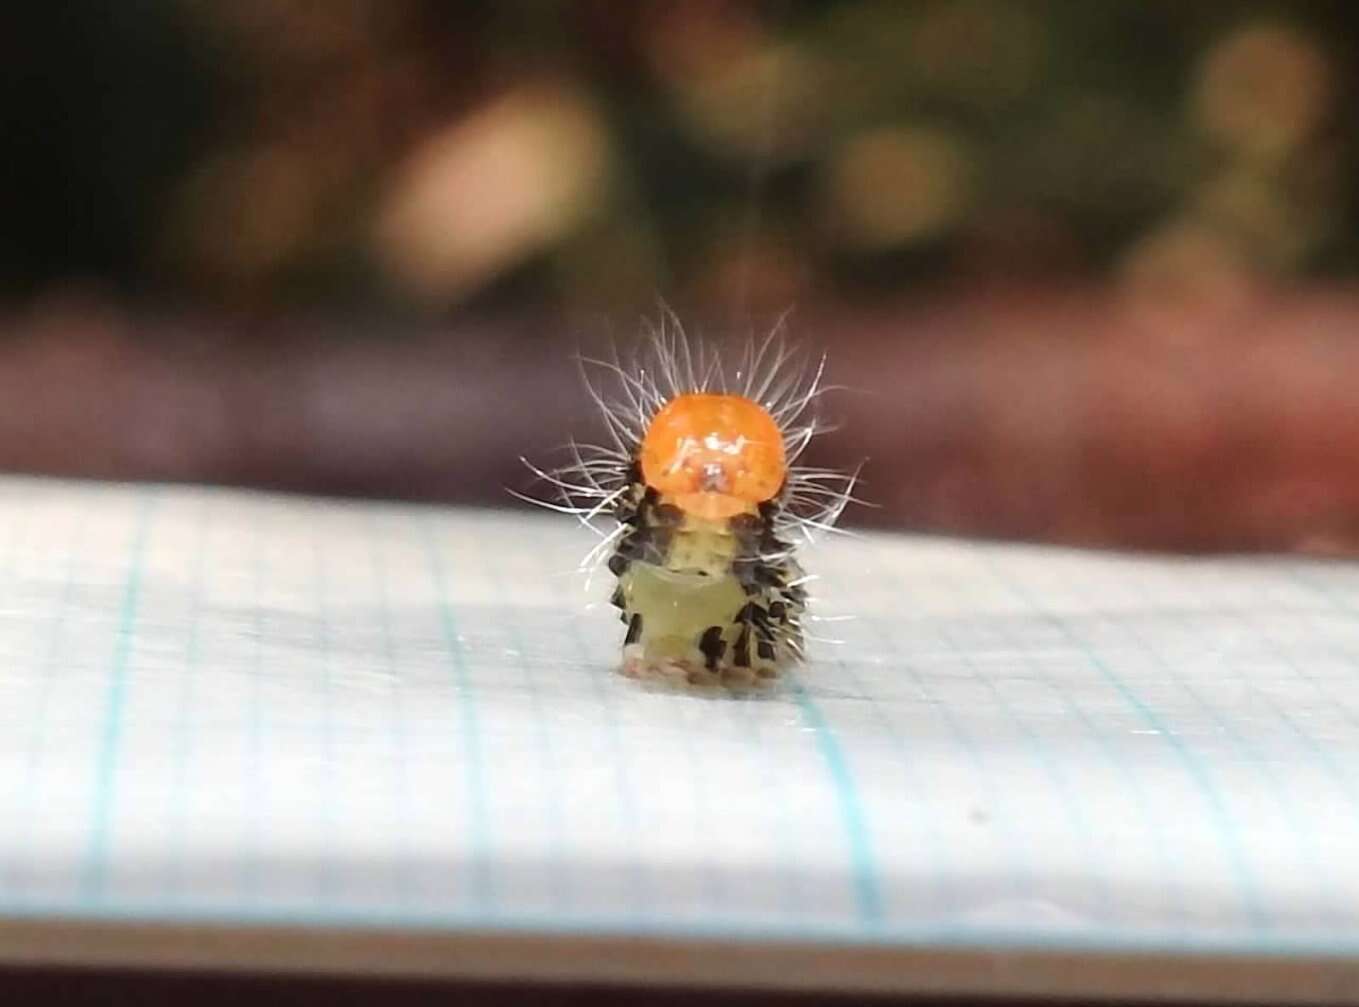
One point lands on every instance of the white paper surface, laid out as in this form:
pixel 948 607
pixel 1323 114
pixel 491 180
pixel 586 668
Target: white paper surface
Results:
pixel 237 708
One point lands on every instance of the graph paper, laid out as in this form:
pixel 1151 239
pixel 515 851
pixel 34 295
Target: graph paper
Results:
pixel 245 711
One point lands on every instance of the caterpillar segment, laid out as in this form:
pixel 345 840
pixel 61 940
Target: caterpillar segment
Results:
pixel 705 601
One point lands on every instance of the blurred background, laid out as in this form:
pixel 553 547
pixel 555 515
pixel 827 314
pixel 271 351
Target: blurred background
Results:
pixel 1085 269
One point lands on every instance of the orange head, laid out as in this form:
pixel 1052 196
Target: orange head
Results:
pixel 714 456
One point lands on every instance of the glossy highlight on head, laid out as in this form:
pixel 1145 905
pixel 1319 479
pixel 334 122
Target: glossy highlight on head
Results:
pixel 714 455
pixel 715 436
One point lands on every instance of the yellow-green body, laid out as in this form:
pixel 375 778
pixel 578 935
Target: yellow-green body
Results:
pixel 690 616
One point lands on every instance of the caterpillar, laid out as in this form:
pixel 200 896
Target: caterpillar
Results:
pixel 704 502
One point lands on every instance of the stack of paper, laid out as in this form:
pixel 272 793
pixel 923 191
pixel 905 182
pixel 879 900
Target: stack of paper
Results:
pixel 298 729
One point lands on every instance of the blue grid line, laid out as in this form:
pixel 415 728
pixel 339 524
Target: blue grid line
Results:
pixel 1224 824
pixel 1343 781
pixel 254 826
pixel 1337 603
pixel 853 821
pixel 1020 863
pixel 924 821
pixel 94 873
pixel 719 921
pixel 396 737
pixel 325 799
pixel 482 892
pixel 26 787
pixel 185 703
pixel 1039 755
pixel 1339 777
pixel 743 719
pixel 1304 847
pixel 1151 822
pixel 1319 755
pixel 546 750
pixel 595 672
pixel 702 816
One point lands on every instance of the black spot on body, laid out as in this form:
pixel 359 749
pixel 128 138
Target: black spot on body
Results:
pixel 712 645
pixel 741 652
pixel 634 629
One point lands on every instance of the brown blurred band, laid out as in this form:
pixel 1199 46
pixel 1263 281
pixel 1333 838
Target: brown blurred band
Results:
pixel 1081 418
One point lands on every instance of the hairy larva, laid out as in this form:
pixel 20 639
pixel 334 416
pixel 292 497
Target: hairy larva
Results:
pixel 701 503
